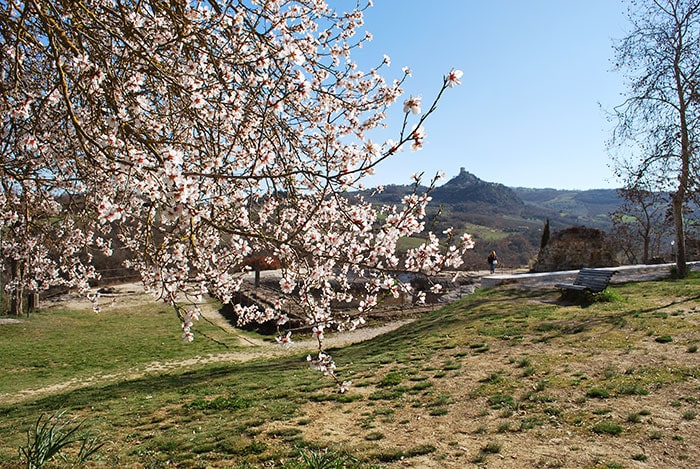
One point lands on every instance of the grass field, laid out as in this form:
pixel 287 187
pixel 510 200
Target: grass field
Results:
pixel 504 378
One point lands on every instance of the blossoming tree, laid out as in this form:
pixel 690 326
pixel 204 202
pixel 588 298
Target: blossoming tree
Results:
pixel 203 132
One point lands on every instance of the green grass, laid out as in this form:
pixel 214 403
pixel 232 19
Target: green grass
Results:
pixel 404 244
pixel 548 368
pixel 52 347
pixel 607 428
pixel 485 233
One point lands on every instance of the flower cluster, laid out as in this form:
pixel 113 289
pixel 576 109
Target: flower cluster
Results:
pixel 322 362
pixel 188 318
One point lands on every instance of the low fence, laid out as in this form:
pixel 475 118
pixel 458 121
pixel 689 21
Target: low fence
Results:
pixel 625 273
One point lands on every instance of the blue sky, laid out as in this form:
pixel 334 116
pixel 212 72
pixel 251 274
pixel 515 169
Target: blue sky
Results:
pixel 537 81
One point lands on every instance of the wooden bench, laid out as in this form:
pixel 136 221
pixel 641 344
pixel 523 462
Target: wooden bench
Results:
pixel 591 280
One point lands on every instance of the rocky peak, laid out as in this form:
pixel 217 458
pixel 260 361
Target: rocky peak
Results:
pixel 467 188
pixel 463 179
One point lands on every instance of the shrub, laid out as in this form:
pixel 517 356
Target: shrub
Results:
pixel 676 275
pixel 498 401
pixel 420 450
pixel 325 459
pixel 609 295
pixel 630 389
pixel 391 379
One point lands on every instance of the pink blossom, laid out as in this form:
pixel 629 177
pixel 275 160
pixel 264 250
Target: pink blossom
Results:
pixel 357 322
pixel 285 339
pixel 323 363
pixel 239 143
pixel 287 285
pixel 187 336
pixel 467 241
pixel 418 137
pixel 412 105
pixel 198 101
pixel 454 78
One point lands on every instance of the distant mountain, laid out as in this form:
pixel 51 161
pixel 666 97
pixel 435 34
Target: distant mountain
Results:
pixel 467 193
pixel 465 188
pixel 508 220
pixel 587 207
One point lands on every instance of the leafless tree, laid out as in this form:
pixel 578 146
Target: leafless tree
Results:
pixel 660 59
pixel 641 223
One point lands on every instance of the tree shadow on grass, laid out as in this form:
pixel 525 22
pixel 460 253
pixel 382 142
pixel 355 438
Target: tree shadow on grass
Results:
pixel 234 377
pixel 613 320
pixel 668 305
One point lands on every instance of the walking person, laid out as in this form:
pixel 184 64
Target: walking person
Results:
pixel 493 260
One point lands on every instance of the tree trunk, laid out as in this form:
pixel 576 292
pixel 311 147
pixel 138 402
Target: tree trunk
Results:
pixel 32 302
pixel 645 253
pixel 679 197
pixel 677 206
pixel 17 294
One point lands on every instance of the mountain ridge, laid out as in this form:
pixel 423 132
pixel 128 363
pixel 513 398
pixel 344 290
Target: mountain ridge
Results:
pixel 509 220
pixel 466 190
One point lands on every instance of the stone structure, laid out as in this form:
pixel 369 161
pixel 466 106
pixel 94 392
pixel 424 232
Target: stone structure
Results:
pixel 574 248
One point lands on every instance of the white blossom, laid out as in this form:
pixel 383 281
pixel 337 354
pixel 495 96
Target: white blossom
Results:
pixel 199 143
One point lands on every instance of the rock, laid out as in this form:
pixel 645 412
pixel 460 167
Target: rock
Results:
pixel 574 248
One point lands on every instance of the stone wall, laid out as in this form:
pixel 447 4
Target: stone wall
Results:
pixel 574 248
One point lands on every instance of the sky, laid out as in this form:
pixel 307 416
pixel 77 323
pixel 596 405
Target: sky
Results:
pixel 537 87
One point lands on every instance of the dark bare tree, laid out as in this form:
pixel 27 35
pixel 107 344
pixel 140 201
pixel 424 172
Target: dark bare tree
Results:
pixel 545 235
pixel 660 59
pixel 641 223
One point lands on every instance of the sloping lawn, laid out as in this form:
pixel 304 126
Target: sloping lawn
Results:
pixel 505 377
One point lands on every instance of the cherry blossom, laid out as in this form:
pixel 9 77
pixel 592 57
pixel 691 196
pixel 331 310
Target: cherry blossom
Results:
pixel 201 136
pixel 454 78
pixel 417 137
pixel 285 339
pixel 412 105
pixel 318 332
pixel 344 387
